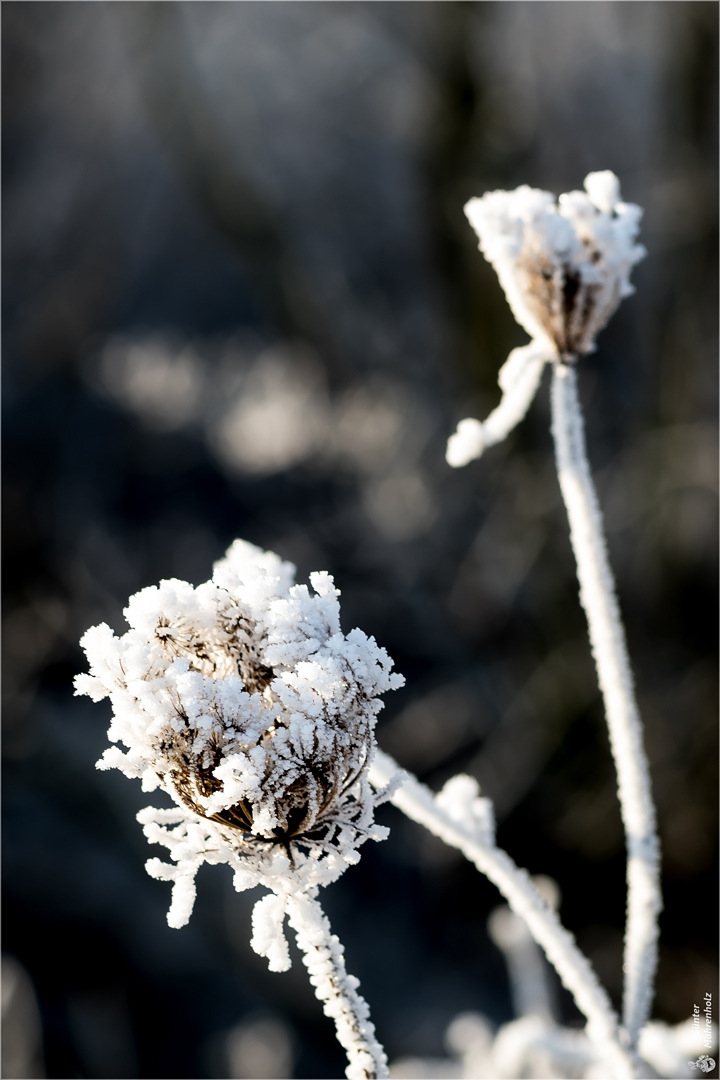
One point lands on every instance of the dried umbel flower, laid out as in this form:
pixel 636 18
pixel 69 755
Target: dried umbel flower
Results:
pixel 565 265
pixel 243 700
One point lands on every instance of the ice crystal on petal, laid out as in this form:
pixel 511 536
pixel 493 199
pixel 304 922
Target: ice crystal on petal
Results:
pixel 245 702
pixel 565 265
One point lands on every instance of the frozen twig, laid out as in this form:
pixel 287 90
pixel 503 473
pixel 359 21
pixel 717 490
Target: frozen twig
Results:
pixel 607 637
pixel 465 824
pixel 519 378
pixel 323 957
pixel 528 971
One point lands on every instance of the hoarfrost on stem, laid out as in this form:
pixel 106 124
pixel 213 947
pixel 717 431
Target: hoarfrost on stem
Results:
pixel 565 267
pixel 464 820
pixel 609 647
pixel 323 957
pixel 244 701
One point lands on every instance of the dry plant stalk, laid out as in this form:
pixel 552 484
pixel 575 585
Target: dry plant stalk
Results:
pixel 565 267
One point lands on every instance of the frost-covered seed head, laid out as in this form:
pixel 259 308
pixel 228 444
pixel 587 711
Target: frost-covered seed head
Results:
pixel 565 265
pixel 243 700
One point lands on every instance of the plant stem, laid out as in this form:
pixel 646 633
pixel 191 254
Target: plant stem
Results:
pixel 323 957
pixel 607 639
pixel 418 803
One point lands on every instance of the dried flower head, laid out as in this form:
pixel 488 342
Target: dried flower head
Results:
pixel 565 265
pixel 243 700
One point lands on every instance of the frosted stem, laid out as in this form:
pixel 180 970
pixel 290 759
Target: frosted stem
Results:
pixel 519 378
pixel 323 957
pixel 574 969
pixel 607 639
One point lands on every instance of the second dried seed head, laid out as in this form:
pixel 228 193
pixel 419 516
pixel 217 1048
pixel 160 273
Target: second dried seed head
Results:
pixel 245 702
pixel 564 265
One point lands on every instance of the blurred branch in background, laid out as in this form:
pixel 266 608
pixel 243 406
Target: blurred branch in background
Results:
pixel 179 101
pixel 22 1032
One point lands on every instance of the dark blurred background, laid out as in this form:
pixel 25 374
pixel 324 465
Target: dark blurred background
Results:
pixel 241 299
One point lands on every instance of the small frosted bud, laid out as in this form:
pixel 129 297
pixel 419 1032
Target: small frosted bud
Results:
pixel 460 800
pixel 603 189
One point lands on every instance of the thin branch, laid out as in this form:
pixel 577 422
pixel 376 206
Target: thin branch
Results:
pixel 323 957
pixel 575 971
pixel 607 638
pixel 519 379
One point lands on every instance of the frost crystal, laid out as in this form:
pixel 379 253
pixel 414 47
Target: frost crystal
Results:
pixel 245 702
pixel 564 266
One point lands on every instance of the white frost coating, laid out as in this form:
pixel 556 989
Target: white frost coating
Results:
pixel 667 1049
pixel 607 638
pixel 519 379
pixel 603 189
pixel 533 1046
pixel 458 829
pixel 268 938
pixel 565 266
pixel 460 800
pixel 465 444
pixel 324 959
pixel 245 702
